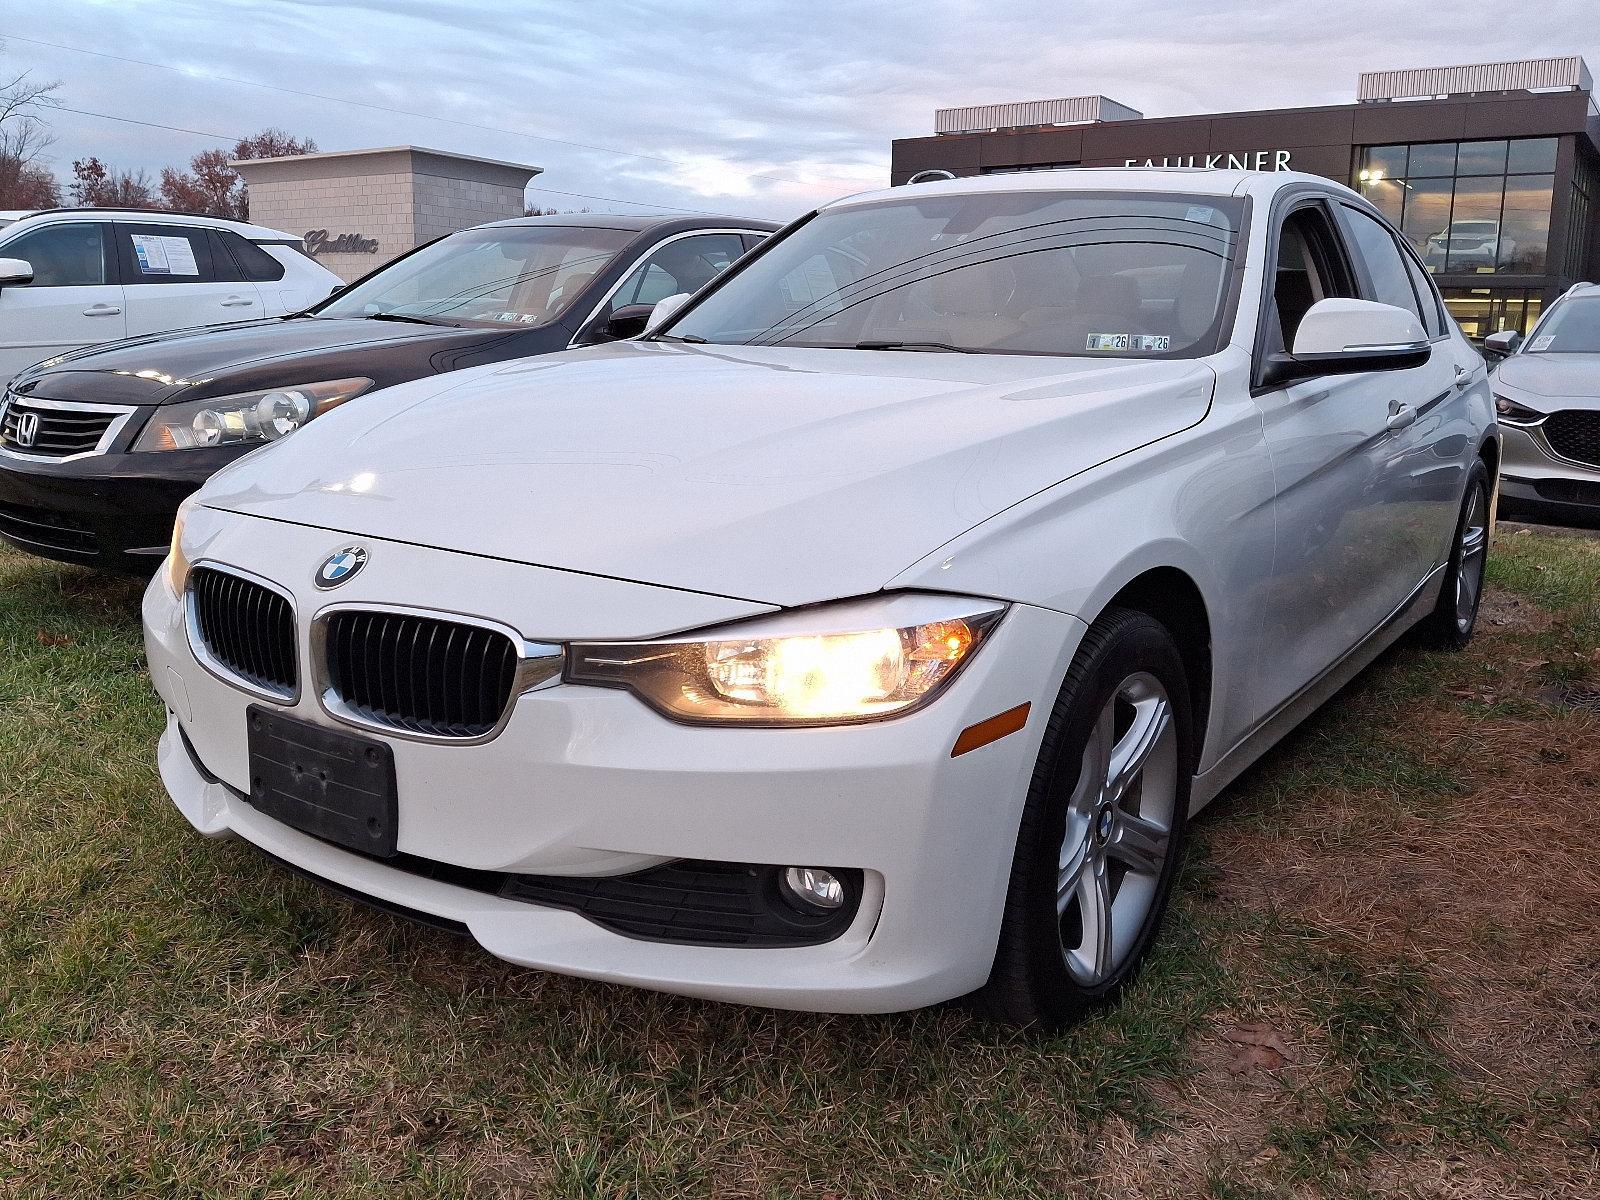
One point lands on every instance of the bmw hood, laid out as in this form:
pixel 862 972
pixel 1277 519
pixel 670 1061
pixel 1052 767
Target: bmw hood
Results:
pixel 1557 376
pixel 783 476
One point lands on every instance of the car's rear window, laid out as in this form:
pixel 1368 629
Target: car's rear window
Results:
pixel 1094 274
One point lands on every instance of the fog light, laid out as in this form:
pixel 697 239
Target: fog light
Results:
pixel 814 887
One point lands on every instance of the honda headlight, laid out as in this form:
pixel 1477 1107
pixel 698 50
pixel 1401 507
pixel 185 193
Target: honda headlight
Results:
pixel 263 416
pixel 858 660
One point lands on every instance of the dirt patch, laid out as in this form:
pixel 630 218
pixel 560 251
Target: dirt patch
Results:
pixel 1505 610
pixel 1490 892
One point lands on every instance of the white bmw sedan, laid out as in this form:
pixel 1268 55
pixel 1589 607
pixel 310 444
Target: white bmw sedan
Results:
pixel 866 634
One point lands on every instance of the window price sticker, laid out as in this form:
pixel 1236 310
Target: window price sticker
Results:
pixel 161 254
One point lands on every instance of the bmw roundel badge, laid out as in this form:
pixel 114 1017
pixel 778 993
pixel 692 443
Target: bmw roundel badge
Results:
pixel 340 567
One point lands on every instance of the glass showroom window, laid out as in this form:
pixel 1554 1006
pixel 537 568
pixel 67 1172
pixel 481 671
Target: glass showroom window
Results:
pixel 1480 311
pixel 1470 208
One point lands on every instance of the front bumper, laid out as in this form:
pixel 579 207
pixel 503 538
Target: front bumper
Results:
pixel 113 511
pixel 587 781
pixel 1534 477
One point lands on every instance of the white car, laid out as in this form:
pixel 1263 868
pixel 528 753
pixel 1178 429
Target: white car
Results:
pixel 1547 395
pixel 77 277
pixel 865 635
pixel 1470 245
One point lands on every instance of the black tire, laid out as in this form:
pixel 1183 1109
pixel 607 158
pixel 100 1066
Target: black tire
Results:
pixel 1447 627
pixel 1030 982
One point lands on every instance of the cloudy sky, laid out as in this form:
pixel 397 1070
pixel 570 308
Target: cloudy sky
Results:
pixel 760 108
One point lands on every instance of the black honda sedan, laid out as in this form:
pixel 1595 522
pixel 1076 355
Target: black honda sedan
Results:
pixel 98 447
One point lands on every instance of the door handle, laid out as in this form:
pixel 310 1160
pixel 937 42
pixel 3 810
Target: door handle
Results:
pixel 101 310
pixel 1401 417
pixel 236 302
pixel 1463 375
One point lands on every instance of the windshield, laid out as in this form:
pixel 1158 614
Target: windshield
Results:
pixel 1089 274
pixel 500 275
pixel 1572 328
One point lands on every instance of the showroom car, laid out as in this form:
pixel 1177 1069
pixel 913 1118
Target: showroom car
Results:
pixel 865 634
pixel 81 276
pixel 1470 245
pixel 98 448
pixel 1547 395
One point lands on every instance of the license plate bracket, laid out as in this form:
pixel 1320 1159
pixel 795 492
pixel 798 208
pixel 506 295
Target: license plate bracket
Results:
pixel 333 785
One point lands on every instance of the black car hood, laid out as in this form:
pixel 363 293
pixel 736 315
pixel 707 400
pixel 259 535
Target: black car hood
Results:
pixel 194 363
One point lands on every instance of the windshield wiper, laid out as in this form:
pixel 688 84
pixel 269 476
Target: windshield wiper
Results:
pixel 389 316
pixel 694 339
pixel 944 346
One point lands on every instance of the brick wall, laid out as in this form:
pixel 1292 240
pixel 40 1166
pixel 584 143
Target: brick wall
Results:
pixel 398 198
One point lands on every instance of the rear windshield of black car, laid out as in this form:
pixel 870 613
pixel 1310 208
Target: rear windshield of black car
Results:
pixel 499 275
pixel 1090 274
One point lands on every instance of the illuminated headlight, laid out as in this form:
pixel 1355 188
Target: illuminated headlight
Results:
pixel 858 660
pixel 177 565
pixel 263 416
pixel 1512 413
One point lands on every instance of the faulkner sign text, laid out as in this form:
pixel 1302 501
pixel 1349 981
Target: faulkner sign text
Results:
pixel 1250 160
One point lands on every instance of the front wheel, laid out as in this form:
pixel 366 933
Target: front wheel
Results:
pixel 1455 616
pixel 1101 830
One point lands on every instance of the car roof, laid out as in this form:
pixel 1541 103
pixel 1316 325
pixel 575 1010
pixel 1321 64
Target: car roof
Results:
pixel 1203 181
pixel 633 223
pixel 137 216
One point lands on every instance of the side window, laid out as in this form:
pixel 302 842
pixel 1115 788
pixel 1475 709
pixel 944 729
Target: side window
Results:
pixel 1432 306
pixel 1391 281
pixel 1310 267
pixel 752 240
pixel 164 254
pixel 223 268
pixel 685 264
pixel 256 264
pixel 72 254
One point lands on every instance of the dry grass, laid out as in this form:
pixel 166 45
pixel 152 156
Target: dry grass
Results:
pixel 1380 980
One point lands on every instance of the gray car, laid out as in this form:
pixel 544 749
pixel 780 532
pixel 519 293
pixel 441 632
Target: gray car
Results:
pixel 1547 396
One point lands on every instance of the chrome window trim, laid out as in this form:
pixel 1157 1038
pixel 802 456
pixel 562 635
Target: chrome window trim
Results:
pixel 221 670
pixel 628 273
pixel 539 664
pixel 124 414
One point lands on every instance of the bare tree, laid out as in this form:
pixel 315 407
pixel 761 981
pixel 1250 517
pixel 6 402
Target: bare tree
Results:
pixel 24 137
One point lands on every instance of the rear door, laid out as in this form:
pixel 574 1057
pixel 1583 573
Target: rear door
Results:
pixel 73 301
pixel 1426 471
pixel 174 280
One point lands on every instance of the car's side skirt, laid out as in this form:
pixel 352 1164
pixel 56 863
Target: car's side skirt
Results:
pixel 1272 728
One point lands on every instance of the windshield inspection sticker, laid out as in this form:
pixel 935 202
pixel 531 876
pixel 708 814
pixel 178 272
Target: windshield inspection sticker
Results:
pixel 1542 342
pixel 1108 341
pixel 1151 341
pixel 161 254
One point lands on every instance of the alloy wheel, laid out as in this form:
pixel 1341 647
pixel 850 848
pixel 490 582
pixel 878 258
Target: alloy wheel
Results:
pixel 1472 554
pixel 1118 830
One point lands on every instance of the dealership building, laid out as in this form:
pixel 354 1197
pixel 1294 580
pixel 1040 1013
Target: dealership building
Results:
pixel 358 209
pixel 1491 171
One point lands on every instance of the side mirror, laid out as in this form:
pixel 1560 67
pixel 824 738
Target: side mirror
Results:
pixel 15 270
pixel 1503 343
pixel 1349 337
pixel 665 310
pixel 627 322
